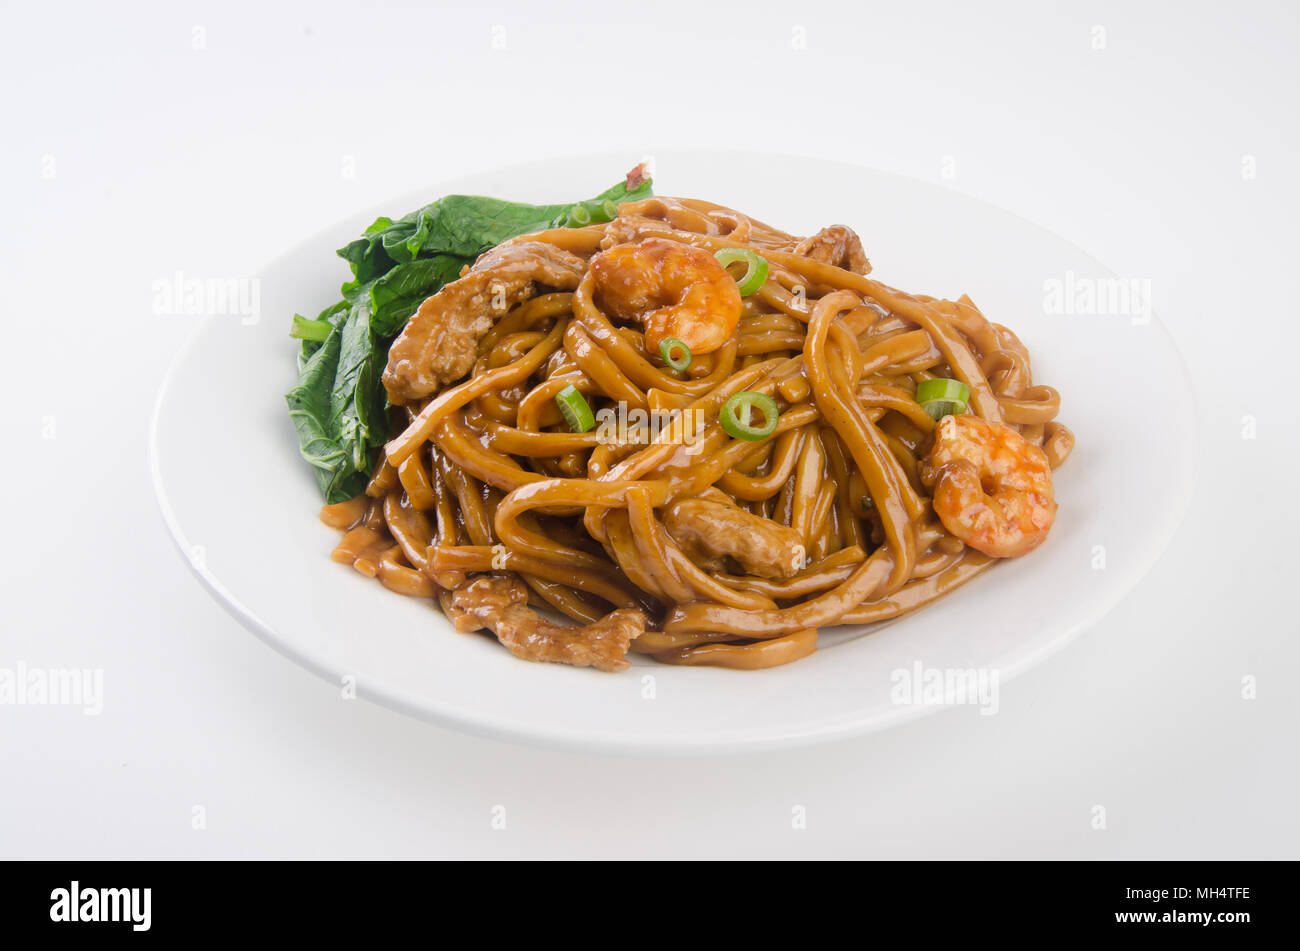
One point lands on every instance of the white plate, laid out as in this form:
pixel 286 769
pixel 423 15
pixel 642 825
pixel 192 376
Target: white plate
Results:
pixel 242 504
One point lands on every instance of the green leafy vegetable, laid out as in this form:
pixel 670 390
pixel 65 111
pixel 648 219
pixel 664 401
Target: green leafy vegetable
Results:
pixel 339 405
pixel 309 407
pixel 464 225
pixel 398 294
pixel 331 315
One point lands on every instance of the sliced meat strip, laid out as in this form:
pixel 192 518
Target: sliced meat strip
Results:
pixel 837 245
pixel 628 228
pixel 711 531
pixel 499 603
pixel 439 344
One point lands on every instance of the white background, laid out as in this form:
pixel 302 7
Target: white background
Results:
pixel 127 155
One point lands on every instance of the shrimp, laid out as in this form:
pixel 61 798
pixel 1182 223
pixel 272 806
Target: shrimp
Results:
pixel 674 289
pixel 992 488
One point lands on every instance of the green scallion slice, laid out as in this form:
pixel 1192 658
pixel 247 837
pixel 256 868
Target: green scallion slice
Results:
pixel 941 397
pixel 737 416
pixel 755 268
pixel 675 353
pixel 575 410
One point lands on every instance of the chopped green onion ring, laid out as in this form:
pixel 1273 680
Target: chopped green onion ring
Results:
pixel 736 414
pixel 575 410
pixel 755 268
pixel 671 346
pixel 591 212
pixel 942 397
